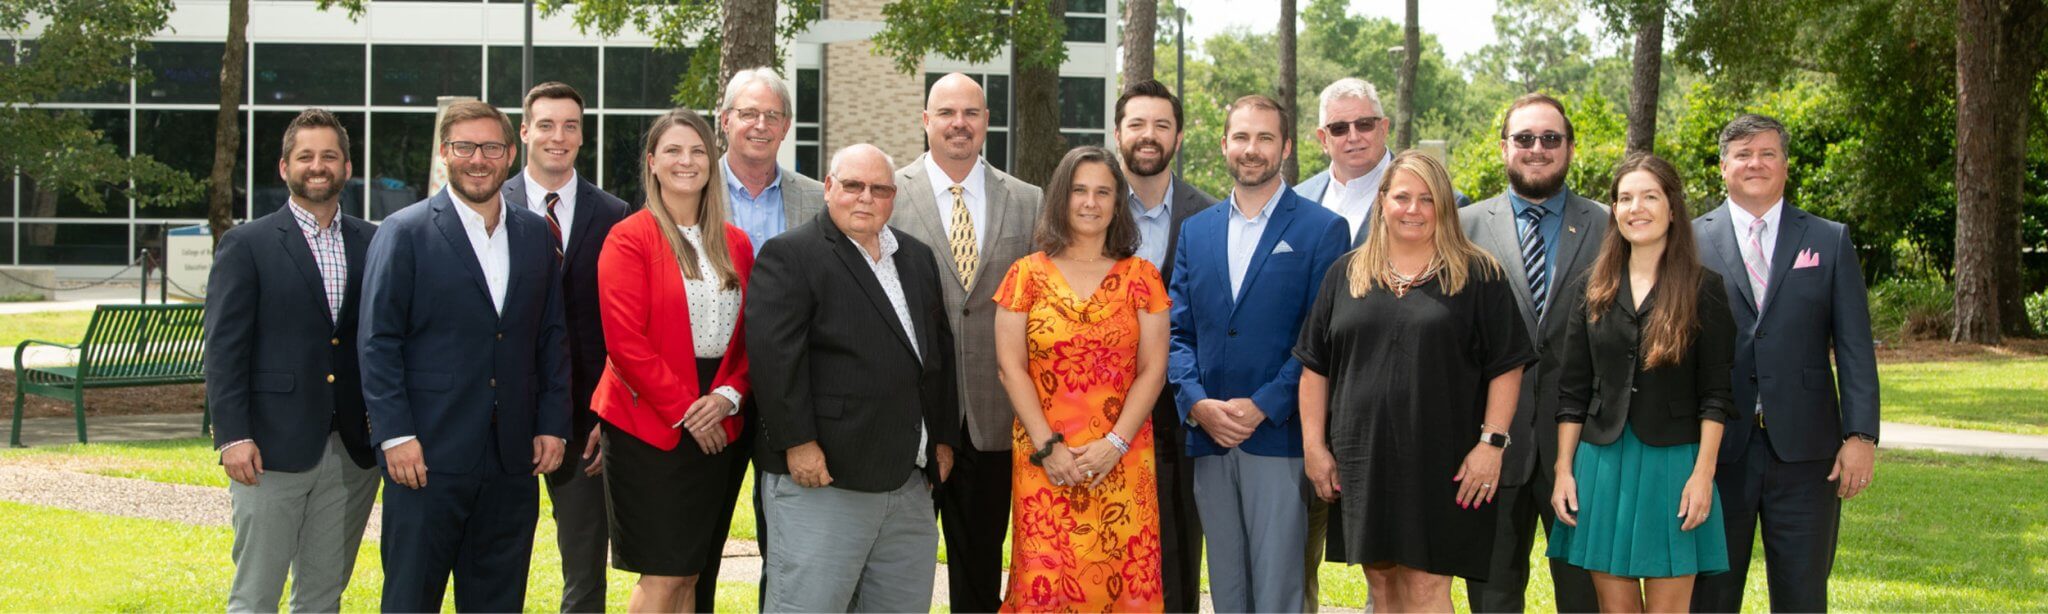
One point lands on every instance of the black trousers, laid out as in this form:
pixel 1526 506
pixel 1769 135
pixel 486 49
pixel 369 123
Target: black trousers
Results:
pixel 707 582
pixel 477 526
pixel 974 512
pixel 1801 519
pixel 1180 528
pixel 581 532
pixel 1521 507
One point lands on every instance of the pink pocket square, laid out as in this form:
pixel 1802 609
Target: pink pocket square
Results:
pixel 1807 259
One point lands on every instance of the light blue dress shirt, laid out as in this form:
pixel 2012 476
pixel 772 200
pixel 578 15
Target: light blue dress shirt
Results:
pixel 760 215
pixel 1244 235
pixel 1155 225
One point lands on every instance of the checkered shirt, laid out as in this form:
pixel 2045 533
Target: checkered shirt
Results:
pixel 330 255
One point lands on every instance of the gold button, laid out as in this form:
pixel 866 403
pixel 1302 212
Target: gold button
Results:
pixel 494 382
pixel 334 341
pixel 501 336
pixel 330 378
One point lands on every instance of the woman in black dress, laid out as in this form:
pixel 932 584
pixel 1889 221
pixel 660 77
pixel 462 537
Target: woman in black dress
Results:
pixel 1412 361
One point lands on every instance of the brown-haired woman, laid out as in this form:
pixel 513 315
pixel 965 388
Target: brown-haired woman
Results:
pixel 1644 393
pixel 1081 342
pixel 1412 360
pixel 670 283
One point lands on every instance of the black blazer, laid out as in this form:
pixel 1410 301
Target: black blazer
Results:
pixel 831 362
pixel 596 212
pixel 279 370
pixel 1603 378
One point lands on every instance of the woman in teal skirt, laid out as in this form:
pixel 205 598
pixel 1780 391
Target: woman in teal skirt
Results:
pixel 1644 394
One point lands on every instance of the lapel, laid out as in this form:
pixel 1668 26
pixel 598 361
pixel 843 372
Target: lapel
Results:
pixel 580 227
pixel 1500 232
pixel 1281 216
pixel 1574 239
pixel 858 270
pixel 1721 238
pixel 451 229
pixel 793 193
pixel 1792 226
pixel 516 234
pixel 995 205
pixel 356 243
pixel 1184 204
pixel 923 215
pixel 293 240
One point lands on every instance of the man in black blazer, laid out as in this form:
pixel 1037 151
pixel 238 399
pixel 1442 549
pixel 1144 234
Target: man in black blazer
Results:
pixel 1148 136
pixel 853 372
pixel 1804 437
pixel 579 216
pixel 282 383
pixel 465 363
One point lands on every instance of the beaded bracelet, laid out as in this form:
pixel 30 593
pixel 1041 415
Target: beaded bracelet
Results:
pixel 1122 447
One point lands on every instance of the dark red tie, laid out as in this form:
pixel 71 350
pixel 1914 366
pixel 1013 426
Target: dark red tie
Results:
pixel 554 223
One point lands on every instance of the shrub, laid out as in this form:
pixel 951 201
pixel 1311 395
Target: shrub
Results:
pixel 1911 308
pixel 2037 311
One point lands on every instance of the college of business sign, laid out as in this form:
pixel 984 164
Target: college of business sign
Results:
pixel 188 259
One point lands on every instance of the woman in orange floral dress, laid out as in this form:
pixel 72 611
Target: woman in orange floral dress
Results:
pixel 1082 344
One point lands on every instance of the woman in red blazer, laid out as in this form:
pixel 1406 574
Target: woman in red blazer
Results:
pixel 670 284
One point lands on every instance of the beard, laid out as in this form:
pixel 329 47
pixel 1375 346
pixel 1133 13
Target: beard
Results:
pixel 1249 178
pixel 1142 168
pixel 1539 189
pixel 459 179
pixel 306 194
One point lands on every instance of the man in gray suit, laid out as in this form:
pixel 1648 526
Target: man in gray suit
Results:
pixel 1352 128
pixel 1148 135
pixel 764 199
pixel 1544 236
pixel 978 221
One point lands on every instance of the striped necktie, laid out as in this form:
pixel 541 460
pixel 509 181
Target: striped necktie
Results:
pixel 1535 259
pixel 554 223
pixel 1754 261
pixel 966 254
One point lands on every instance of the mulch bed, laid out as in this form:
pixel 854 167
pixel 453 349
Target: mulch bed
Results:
pixel 178 399
pixel 1931 350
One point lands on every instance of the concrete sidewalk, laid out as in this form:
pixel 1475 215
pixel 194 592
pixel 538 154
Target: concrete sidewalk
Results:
pixel 1963 441
pixel 84 299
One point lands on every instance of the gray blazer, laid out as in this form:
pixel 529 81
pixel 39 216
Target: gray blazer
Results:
pixel 1491 224
pixel 1013 208
pixel 802 199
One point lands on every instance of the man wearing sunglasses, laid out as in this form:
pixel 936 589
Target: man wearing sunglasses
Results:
pixel 1543 235
pixel 1352 128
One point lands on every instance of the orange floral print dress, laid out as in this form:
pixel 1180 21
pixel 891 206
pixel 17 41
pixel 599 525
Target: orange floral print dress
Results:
pixel 1075 548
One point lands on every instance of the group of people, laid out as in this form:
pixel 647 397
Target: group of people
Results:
pixel 1115 373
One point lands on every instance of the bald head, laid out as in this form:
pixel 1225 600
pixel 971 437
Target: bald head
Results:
pixel 956 121
pixel 860 191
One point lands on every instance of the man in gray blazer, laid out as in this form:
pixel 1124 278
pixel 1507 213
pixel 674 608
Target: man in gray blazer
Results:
pixel 1148 135
pixel 979 221
pixel 1544 236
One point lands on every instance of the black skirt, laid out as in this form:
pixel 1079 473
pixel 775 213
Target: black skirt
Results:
pixel 664 505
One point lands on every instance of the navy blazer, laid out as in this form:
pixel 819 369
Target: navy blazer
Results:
pixel 279 369
pixel 1811 310
pixel 440 363
pixel 596 212
pixel 1225 348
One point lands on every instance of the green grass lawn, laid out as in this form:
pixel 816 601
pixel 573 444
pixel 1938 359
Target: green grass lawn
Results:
pixel 1939 533
pixel 2007 394
pixel 58 326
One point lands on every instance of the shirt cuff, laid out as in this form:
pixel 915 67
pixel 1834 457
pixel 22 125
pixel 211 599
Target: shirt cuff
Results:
pixel 730 395
pixel 396 441
pixel 235 443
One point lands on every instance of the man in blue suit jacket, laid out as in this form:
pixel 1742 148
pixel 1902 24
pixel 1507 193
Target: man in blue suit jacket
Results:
pixel 465 364
pixel 1247 270
pixel 1798 299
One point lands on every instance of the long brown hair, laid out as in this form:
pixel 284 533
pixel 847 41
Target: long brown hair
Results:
pixel 1055 231
pixel 1674 317
pixel 1370 264
pixel 711 214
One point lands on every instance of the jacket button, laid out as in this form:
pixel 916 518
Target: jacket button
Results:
pixel 334 341
pixel 494 382
pixel 501 336
pixel 1752 377
pixel 1631 388
pixel 1233 332
pixel 1759 335
pixel 330 378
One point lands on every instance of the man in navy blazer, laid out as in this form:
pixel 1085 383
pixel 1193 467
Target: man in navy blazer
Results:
pixel 1798 298
pixel 580 216
pixel 1246 272
pixel 282 382
pixel 465 361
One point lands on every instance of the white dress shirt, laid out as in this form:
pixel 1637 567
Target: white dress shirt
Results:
pixel 975 192
pixel 1353 200
pixel 885 272
pixel 493 251
pixel 1742 219
pixel 714 311
pixel 565 211
pixel 1244 235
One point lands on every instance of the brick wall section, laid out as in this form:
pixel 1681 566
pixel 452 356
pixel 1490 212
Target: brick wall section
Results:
pixel 865 99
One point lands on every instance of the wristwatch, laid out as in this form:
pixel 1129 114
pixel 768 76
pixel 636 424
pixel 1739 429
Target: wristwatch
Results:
pixel 1866 437
pixel 1498 440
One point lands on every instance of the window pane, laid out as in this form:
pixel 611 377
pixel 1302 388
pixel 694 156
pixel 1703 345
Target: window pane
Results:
pixel 7 242
pixel 576 66
pixel 998 88
pixel 37 202
pixel 399 163
pixel 309 74
pixel 810 161
pixel 622 160
pixel 184 73
pixel 1081 103
pixel 808 95
pixel 184 140
pixel 807 133
pixel 1077 139
pixel 75 244
pixel 269 192
pixel 1087 30
pixel 1085 6
pixel 415 75
pixel 115 91
pixel 642 77
pixel 997 150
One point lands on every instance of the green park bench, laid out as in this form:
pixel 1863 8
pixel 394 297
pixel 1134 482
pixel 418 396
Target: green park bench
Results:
pixel 124 346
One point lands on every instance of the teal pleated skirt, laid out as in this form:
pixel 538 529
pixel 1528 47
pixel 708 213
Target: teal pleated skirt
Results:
pixel 1628 513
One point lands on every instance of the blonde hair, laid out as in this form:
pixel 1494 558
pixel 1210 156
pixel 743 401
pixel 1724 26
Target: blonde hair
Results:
pixel 1371 264
pixel 711 213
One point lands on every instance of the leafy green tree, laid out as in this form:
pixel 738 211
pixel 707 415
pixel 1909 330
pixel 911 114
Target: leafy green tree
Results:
pixel 1539 47
pixel 698 28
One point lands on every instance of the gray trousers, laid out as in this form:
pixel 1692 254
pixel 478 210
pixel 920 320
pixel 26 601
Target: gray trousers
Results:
pixel 581 532
pixel 1255 517
pixel 309 524
pixel 844 551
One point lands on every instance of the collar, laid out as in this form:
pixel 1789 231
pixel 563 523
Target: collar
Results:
pixel 1265 212
pixel 1742 218
pixel 1552 206
pixel 536 193
pixel 943 183
pixel 469 216
pixel 888 242
pixel 1370 178
pixel 1138 206
pixel 732 182
pixel 307 223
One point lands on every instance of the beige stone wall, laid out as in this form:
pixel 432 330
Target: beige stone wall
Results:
pixel 865 99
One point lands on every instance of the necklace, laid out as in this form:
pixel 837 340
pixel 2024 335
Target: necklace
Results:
pixel 1401 283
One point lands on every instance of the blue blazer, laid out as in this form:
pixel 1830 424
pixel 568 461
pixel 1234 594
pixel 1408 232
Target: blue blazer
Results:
pixel 1225 348
pixel 1782 352
pixel 439 363
pixel 596 212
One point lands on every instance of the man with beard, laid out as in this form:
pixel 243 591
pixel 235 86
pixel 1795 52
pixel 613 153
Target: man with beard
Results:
pixel 1544 236
pixel 1246 272
pixel 1148 135
pixel 983 218
pixel 579 217
pixel 1353 131
pixel 465 361
pixel 282 382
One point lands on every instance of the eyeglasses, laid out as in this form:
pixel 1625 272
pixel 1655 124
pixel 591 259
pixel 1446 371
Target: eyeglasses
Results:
pixel 753 115
pixel 880 191
pixel 1363 124
pixel 1525 140
pixel 465 149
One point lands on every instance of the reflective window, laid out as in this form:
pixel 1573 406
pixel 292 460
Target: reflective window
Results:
pixel 308 74
pixel 809 97
pixel 416 75
pixel 183 73
pixel 101 244
pixel 642 78
pixel 6 242
pixel 269 191
pixel 623 137
pixel 183 140
pixel 576 66
pixel 48 203
pixel 810 150
pixel 111 92
pixel 1087 21
pixel 1081 103
pixel 400 162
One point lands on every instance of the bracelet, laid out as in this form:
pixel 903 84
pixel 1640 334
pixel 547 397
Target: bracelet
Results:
pixel 1038 457
pixel 1122 447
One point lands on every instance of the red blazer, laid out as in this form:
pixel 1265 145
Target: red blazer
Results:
pixel 650 379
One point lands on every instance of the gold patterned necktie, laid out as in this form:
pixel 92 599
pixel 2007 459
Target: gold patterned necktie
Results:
pixel 966 256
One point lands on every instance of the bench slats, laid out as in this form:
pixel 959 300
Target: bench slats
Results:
pixel 124 345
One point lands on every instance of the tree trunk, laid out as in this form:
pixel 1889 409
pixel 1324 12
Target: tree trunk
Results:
pixel 1649 67
pixel 1291 167
pixel 746 40
pixel 1141 22
pixel 227 126
pixel 1411 59
pixel 1036 107
pixel 1997 53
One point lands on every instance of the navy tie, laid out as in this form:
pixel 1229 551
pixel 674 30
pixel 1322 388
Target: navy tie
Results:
pixel 1535 259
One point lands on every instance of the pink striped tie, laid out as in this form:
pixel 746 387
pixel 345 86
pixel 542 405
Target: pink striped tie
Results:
pixel 1755 262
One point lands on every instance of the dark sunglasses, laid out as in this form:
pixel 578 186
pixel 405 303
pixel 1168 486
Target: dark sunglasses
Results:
pixel 878 190
pixel 1363 124
pixel 1524 140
